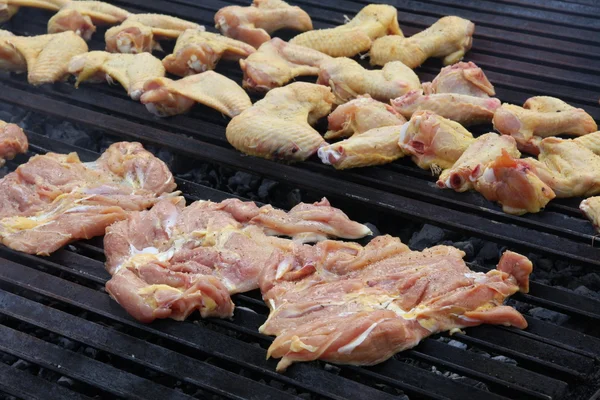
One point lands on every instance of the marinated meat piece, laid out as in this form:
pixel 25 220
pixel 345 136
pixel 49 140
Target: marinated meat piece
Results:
pixel 140 32
pixel 44 57
pixel 276 62
pixel 12 141
pixel 82 17
pixel 361 305
pixel 360 115
pixel 198 51
pixel 165 97
pixel 279 126
pixel 591 209
pixel 541 117
pixel 130 70
pixel 172 260
pixel 357 35
pixel 464 109
pixel 434 142
pixel 449 38
pixel 255 23
pixel 373 147
pixel 348 79
pixel 472 163
pixel 54 199
pixel 461 78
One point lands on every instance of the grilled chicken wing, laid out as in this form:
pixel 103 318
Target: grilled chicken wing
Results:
pixel 44 57
pixel 356 36
pixel 164 97
pixel 82 16
pixel 461 78
pixel 255 23
pixel 464 109
pixel 360 115
pixel 450 37
pixel 512 183
pixel 471 164
pixel 140 32
pixel 373 147
pixel 12 141
pixel 279 126
pixel 130 70
pixel 198 51
pixel 434 142
pixel 348 79
pixel 591 209
pixel 541 117
pixel 277 62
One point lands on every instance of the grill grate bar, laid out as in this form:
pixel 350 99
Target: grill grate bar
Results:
pixel 80 367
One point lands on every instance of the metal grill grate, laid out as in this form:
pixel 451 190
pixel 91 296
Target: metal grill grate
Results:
pixel 55 315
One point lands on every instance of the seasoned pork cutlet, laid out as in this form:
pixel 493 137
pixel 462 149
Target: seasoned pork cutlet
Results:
pixel 12 141
pixel 361 305
pixel 54 199
pixel 173 260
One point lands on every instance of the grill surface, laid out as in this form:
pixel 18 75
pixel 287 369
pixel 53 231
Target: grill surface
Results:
pixel 55 314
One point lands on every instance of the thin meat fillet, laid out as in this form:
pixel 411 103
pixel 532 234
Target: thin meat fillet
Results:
pixel 12 141
pixel 173 260
pixel 54 199
pixel 361 305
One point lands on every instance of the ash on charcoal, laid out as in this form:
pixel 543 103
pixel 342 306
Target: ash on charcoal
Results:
pixel 66 132
pixel 548 315
pixel 584 291
pixel 22 365
pixel 459 378
pixel 456 343
pixel 65 382
pixel 505 359
pixel 428 236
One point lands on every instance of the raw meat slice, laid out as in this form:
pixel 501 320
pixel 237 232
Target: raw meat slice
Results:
pixel 12 141
pixel 173 260
pixel 361 305
pixel 55 199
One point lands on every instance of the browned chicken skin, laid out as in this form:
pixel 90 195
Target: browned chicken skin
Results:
pixel 541 117
pixel 198 51
pixel 279 126
pixel 140 32
pixel 165 97
pixel 276 62
pixel 255 23
pixel 348 79
pixel 44 57
pixel 357 35
pixel 450 37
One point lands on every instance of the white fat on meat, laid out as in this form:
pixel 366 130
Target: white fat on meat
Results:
pixel 347 349
pixel 325 154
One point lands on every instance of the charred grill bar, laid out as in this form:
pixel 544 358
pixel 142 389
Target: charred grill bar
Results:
pixel 61 336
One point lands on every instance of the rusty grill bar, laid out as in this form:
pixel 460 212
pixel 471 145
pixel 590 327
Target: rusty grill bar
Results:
pixel 526 48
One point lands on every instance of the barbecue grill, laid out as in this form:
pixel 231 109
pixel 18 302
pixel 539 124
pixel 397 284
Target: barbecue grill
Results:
pixel 62 337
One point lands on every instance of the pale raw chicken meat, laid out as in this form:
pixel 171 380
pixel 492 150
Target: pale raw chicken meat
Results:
pixel 360 115
pixel 541 117
pixel 462 108
pixel 361 305
pixel 7 11
pixel 197 51
pixel 472 163
pixel 140 32
pixel 165 97
pixel 82 17
pixel 44 57
pixel 255 23
pixel 348 79
pixel 511 182
pixel 434 142
pixel 130 70
pixel 173 260
pixel 279 126
pixel 54 199
pixel 277 62
pixel 357 35
pixel 449 38
pixel 12 141
pixel 461 78
pixel 591 209
pixel 373 147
